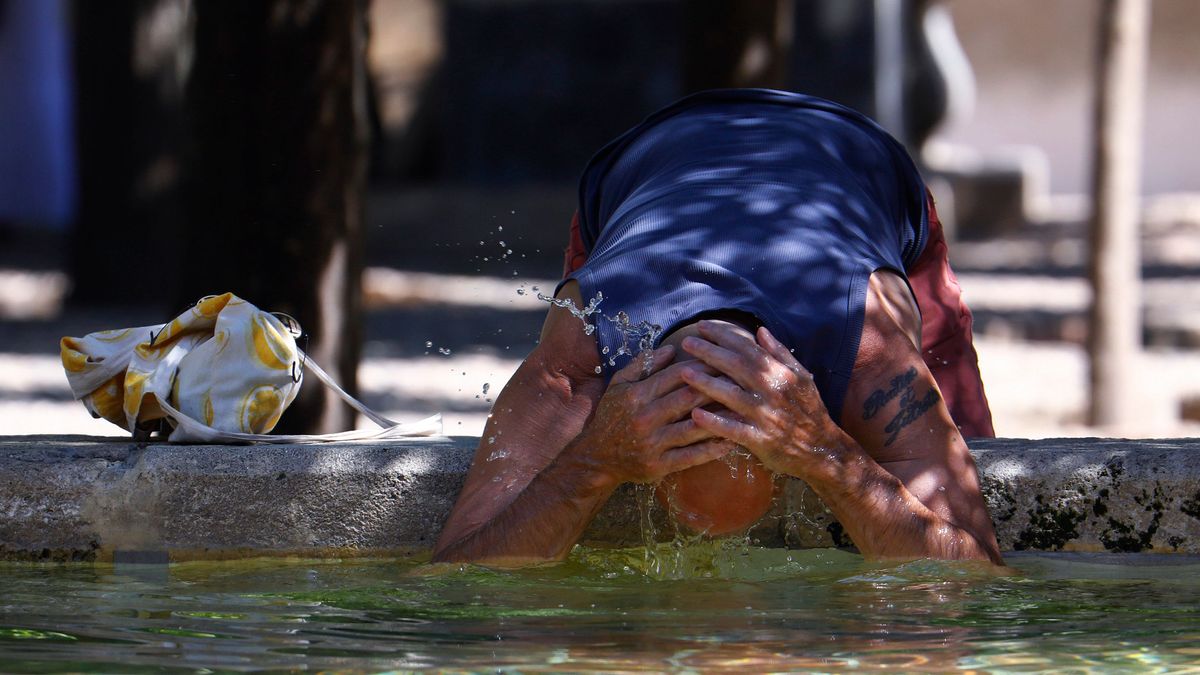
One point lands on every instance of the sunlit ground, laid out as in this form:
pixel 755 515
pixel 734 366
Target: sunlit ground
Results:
pixel 1036 389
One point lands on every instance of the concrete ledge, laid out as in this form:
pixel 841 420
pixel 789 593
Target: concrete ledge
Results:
pixel 85 498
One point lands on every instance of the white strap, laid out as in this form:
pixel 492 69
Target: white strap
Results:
pixel 323 376
pixel 191 430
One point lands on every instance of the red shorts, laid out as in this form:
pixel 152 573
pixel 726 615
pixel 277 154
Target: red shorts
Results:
pixel 945 328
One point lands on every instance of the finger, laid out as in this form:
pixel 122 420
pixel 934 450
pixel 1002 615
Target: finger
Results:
pixel 724 392
pixel 776 349
pixel 681 434
pixel 730 337
pixel 676 404
pixel 739 432
pixel 726 361
pixel 670 379
pixel 695 455
pixel 636 369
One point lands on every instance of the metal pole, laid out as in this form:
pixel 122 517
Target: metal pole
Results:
pixel 889 66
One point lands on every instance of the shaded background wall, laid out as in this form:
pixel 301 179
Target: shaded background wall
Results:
pixel 1033 67
pixel 1008 127
pixel 594 68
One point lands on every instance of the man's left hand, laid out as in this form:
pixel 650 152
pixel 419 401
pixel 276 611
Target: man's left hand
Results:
pixel 784 422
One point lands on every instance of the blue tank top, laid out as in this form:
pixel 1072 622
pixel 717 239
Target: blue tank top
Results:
pixel 764 203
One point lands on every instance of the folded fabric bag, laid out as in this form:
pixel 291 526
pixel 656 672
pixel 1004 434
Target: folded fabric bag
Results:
pixel 222 371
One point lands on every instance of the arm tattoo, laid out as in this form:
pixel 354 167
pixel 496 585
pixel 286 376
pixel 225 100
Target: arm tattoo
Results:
pixel 910 410
pixel 880 398
pixel 911 407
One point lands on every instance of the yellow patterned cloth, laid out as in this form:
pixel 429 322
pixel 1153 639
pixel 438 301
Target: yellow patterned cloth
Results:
pixel 224 370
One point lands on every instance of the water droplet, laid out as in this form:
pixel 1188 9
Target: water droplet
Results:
pixel 491 440
pixel 599 370
pixel 520 291
pixel 428 344
pixel 445 352
pixel 499 228
pixel 486 386
pixel 502 244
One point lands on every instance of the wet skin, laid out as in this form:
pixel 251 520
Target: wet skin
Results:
pixel 721 497
pixel 895 471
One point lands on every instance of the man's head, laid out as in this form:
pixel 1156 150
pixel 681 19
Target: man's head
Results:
pixel 723 496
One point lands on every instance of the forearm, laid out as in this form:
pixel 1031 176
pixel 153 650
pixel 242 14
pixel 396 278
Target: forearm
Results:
pixel 543 522
pixel 882 517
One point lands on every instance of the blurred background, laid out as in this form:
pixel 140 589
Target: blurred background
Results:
pixel 400 175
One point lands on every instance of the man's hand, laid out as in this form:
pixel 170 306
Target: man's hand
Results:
pixel 641 430
pixel 787 426
pixel 784 422
pixel 575 442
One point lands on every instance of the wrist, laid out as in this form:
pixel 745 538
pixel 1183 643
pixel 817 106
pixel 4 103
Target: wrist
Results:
pixel 578 467
pixel 828 462
pixel 854 482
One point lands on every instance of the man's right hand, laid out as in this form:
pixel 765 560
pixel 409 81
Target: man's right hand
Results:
pixel 642 429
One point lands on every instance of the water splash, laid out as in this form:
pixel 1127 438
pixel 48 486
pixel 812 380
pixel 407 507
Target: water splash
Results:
pixel 638 338
pixel 593 307
pixel 644 497
pixel 644 334
pixel 804 515
pixel 686 555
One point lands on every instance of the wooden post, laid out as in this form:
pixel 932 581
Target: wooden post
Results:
pixel 128 58
pixel 1115 264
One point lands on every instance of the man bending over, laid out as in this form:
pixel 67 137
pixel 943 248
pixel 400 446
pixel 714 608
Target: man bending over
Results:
pixel 782 258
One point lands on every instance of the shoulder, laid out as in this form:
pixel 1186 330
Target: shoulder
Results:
pixel 566 350
pixel 891 318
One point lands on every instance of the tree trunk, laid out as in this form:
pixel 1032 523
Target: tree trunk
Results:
pixel 277 108
pixel 1115 264
pixel 736 44
pixel 128 70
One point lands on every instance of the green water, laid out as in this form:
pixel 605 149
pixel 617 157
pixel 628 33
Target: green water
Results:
pixel 748 610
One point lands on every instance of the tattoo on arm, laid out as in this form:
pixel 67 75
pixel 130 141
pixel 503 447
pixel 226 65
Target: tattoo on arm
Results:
pixel 880 398
pixel 911 407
